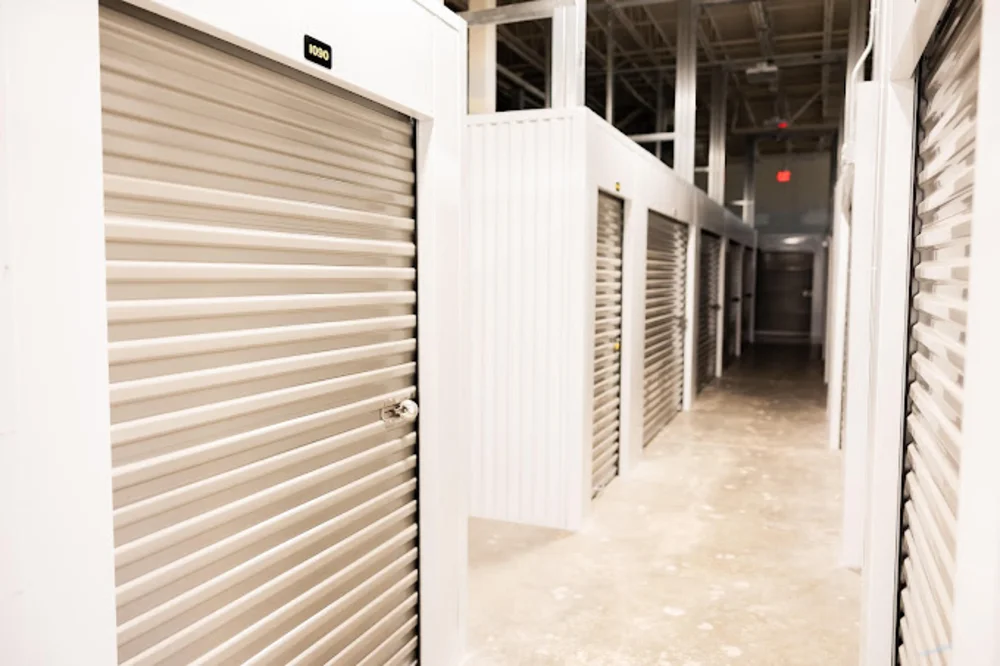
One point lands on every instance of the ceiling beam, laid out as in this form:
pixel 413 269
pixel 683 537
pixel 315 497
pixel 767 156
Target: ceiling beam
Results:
pixel 820 128
pixel 827 45
pixel 525 11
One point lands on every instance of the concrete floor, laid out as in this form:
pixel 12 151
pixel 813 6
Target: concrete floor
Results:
pixel 720 548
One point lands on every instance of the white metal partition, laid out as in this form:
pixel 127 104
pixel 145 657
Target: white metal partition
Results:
pixel 607 342
pixel 261 307
pixel 708 307
pixel 946 153
pixel 733 300
pixel 666 287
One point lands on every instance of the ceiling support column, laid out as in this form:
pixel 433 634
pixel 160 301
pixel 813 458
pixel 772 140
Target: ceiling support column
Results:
pixel 717 139
pixel 482 62
pixel 750 183
pixel 609 78
pixel 685 92
pixel 569 41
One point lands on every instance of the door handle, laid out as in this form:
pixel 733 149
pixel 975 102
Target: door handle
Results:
pixel 404 411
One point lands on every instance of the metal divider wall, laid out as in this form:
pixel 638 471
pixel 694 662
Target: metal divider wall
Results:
pixel 733 300
pixel 708 306
pixel 607 341
pixel 261 318
pixel 941 249
pixel 666 270
pixel 748 291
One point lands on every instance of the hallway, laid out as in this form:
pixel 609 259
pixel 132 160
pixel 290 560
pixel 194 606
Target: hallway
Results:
pixel 720 548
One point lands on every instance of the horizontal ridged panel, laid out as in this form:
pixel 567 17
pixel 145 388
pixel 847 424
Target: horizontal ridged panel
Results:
pixel 708 306
pixel 261 312
pixel 526 264
pixel 607 343
pixel 666 270
pixel 941 259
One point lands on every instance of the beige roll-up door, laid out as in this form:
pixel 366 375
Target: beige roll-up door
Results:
pixel 666 270
pixel 261 312
pixel 944 178
pixel 607 342
pixel 734 256
pixel 708 306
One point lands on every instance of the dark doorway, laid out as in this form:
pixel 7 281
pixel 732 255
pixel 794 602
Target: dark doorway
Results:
pixel 784 296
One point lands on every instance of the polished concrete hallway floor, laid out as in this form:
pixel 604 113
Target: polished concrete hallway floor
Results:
pixel 720 548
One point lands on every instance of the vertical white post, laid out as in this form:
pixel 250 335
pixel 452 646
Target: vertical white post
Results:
pixel 685 89
pixel 753 289
pixel 482 63
pixel 720 313
pixel 891 307
pixel 57 588
pixel 692 292
pixel 609 77
pixel 976 641
pixel 569 33
pixel 859 343
pixel 750 183
pixel 717 139
pixel 740 304
pixel 660 125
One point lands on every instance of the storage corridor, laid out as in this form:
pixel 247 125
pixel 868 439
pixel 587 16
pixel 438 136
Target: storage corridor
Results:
pixel 720 548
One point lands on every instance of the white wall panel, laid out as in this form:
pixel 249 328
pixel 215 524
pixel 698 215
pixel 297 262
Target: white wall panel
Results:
pixel 528 273
pixel 533 183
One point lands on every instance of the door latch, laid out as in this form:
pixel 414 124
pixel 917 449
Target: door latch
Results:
pixel 404 411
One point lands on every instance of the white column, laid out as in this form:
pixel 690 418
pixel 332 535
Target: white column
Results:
pixel 569 34
pixel 482 62
pixel 692 293
pixel 720 312
pixel 742 302
pixel 750 183
pixel 717 139
pixel 609 78
pixel 661 124
pixel 57 603
pixel 685 89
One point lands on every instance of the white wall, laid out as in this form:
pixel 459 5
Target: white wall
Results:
pixel 528 273
pixel 56 550
pixel 56 575
pixel 534 178
pixel 799 206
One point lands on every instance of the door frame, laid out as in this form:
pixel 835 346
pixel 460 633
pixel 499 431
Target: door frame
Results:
pixel 812 243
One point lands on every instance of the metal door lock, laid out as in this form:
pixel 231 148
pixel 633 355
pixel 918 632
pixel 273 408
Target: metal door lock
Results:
pixel 400 412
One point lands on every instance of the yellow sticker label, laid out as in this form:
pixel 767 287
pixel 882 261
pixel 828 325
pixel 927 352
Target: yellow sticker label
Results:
pixel 618 187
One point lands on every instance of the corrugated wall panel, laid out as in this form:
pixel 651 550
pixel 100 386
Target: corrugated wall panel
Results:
pixel 526 263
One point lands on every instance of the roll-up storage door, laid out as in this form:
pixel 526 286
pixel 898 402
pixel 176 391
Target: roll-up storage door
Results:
pixel 733 300
pixel 607 341
pixel 708 306
pixel 748 290
pixel 666 270
pixel 261 316
pixel 941 250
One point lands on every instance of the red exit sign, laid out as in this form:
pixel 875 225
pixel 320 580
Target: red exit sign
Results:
pixel 784 176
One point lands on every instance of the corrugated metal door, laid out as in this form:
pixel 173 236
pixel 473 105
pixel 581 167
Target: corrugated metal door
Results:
pixel 607 341
pixel 748 289
pixel 733 300
pixel 944 179
pixel 666 271
pixel 261 288
pixel 708 306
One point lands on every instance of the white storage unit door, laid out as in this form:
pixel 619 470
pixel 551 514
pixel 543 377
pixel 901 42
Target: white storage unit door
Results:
pixel 666 270
pixel 261 311
pixel 708 307
pixel 607 342
pixel 944 179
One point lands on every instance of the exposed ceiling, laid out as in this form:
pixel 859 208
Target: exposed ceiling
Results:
pixel 805 39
